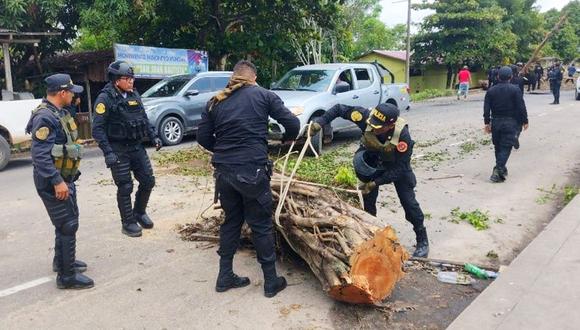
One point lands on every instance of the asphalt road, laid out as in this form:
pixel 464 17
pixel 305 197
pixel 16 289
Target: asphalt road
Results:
pixel 159 281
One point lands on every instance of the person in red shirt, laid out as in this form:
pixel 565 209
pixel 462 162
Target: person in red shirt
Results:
pixel 464 77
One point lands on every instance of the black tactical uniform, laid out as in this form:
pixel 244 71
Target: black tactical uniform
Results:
pixel 539 71
pixel 56 159
pixel 236 130
pixel 120 127
pixel 389 153
pixel 556 77
pixel 504 108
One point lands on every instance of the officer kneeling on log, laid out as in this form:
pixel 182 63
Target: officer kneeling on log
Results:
pixel 56 158
pixel 384 157
pixel 504 115
pixel 234 127
pixel 120 126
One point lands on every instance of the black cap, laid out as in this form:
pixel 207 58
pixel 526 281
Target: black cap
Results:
pixel 62 81
pixel 505 73
pixel 384 114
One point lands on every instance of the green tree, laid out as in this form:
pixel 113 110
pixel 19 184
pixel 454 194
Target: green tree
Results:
pixel 565 43
pixel 463 32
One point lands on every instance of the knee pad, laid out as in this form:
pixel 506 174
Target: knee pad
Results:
pixel 70 227
pixel 149 183
pixel 125 188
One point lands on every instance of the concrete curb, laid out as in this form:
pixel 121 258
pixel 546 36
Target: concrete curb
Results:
pixel 540 289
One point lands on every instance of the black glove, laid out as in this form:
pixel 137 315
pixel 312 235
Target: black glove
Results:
pixel 366 187
pixel 111 159
pixel 314 128
pixel 158 143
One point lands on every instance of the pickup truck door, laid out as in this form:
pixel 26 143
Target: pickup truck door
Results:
pixel 367 87
pixel 349 98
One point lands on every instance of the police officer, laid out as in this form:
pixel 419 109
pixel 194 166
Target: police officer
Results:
pixel 384 157
pixel 234 127
pixel 56 158
pixel 555 76
pixel 516 79
pixel 119 127
pixel 504 112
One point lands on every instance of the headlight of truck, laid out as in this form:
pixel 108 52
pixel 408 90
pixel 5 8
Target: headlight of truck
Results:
pixel 296 110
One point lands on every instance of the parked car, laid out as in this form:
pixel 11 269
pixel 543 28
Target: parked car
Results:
pixel 309 91
pixel 14 116
pixel 174 105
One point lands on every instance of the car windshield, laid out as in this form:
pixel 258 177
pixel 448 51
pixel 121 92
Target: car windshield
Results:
pixel 305 80
pixel 167 87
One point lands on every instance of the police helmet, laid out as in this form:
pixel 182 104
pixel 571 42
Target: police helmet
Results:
pixel 119 69
pixel 383 114
pixel 505 73
pixel 364 168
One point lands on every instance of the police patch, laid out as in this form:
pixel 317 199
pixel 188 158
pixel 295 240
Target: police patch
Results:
pixel 100 108
pixel 42 133
pixel 133 103
pixel 402 146
pixel 356 116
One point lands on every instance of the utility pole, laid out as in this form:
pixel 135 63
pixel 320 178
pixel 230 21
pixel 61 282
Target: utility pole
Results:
pixel 408 54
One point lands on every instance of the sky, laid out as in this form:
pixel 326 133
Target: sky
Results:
pixel 395 12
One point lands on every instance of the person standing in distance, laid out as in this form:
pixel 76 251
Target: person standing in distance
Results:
pixel 555 76
pixel 234 126
pixel 120 127
pixel 504 111
pixel 56 159
pixel 464 77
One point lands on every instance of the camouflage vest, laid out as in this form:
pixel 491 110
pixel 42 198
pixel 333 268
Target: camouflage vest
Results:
pixel 388 149
pixel 66 157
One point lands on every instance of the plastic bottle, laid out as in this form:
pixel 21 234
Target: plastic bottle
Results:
pixel 454 278
pixel 478 272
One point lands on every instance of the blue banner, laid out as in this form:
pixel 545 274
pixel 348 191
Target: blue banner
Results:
pixel 154 62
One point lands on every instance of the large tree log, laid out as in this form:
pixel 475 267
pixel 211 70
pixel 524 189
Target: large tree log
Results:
pixel 355 258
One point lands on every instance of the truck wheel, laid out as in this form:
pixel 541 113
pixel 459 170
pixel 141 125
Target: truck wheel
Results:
pixel 316 141
pixel 171 131
pixel 4 152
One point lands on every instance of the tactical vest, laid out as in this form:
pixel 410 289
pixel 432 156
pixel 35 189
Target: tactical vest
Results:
pixel 127 120
pixel 66 157
pixel 387 150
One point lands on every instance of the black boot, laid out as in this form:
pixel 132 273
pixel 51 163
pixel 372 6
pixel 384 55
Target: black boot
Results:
pixel 141 201
pixel 78 265
pixel 272 282
pixel 503 173
pixel 227 279
pixel 143 220
pixel 67 277
pixel 422 249
pixel 495 176
pixel 131 228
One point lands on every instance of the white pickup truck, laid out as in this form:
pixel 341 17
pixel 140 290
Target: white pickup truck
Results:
pixel 308 91
pixel 14 116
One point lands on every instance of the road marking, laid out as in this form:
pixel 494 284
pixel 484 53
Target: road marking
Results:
pixel 542 114
pixel 458 143
pixel 25 286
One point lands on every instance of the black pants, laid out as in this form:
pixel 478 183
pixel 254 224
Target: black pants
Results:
pixel 539 81
pixel 405 190
pixel 64 216
pixel 132 159
pixel 504 132
pixel 556 91
pixel 245 195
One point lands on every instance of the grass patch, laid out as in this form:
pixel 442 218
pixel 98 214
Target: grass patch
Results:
pixel 485 141
pixel 492 255
pixel 430 94
pixel 331 168
pixel 569 193
pixel 191 162
pixel 477 218
pixel 547 195
pixel 468 147
pixel 428 143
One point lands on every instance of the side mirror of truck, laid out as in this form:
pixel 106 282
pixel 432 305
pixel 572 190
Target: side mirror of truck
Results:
pixel 341 87
pixel 193 92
